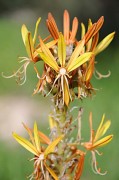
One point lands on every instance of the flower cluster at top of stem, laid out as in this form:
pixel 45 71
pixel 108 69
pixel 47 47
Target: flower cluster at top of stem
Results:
pixel 68 63
pixel 68 68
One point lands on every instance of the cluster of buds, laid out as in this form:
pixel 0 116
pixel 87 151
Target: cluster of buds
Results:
pixel 69 65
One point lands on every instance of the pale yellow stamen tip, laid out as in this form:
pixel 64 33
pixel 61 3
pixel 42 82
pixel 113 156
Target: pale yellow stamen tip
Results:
pixel 62 71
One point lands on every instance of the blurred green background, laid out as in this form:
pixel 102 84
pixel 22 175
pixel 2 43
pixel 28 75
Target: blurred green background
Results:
pixel 17 104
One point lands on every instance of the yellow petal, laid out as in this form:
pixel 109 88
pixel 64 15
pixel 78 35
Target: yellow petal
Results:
pixel 76 53
pixel 50 62
pixel 104 43
pixel 51 147
pixel 52 122
pixel 36 29
pixel 24 32
pixel 79 61
pixel 102 128
pixel 61 50
pixel 83 30
pixel 49 45
pixel 26 144
pixel 100 132
pixel 89 71
pixel 52 173
pixel 36 137
pixel 102 141
pixel 29 45
pixel 66 92
pixel 48 57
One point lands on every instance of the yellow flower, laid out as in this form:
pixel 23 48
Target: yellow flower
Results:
pixel 29 43
pixel 35 147
pixel 61 67
pixel 96 141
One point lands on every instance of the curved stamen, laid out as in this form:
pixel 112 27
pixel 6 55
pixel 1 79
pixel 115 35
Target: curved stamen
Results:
pixel 100 76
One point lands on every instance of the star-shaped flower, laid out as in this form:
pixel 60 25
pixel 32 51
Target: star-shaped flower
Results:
pixel 61 67
pixel 41 154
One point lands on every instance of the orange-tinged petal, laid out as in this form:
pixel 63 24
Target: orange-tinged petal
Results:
pixel 104 43
pixel 89 43
pixel 94 42
pixel 89 71
pixel 79 168
pixel 66 25
pixel 30 133
pixel 79 61
pixel 52 26
pixel 36 137
pixel 26 144
pixel 61 50
pixel 36 29
pixel 52 173
pixel 43 137
pixel 51 147
pixel 48 57
pixel 90 33
pixel 99 24
pixel 76 53
pixel 74 30
pixel 102 141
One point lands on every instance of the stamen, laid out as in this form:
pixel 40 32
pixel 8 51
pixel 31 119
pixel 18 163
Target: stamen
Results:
pixel 100 76
pixel 20 74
